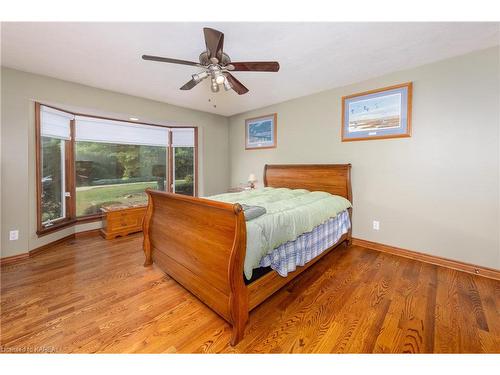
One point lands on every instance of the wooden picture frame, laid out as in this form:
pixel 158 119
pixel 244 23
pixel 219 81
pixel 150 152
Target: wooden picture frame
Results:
pixel 268 133
pixel 377 114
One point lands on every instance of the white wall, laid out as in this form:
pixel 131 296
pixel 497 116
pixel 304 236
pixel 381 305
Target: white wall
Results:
pixel 436 192
pixel 18 190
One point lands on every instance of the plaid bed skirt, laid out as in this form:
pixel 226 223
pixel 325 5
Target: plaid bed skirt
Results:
pixel 285 258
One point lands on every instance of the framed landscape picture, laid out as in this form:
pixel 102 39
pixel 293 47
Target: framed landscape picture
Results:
pixel 260 132
pixel 377 114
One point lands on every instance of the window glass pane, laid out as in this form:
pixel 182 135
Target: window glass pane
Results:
pixel 184 170
pixel 52 199
pixel 108 174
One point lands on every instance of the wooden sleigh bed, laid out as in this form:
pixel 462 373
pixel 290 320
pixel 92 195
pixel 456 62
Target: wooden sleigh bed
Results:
pixel 201 243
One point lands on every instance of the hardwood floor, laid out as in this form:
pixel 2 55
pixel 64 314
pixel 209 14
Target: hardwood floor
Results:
pixel 93 295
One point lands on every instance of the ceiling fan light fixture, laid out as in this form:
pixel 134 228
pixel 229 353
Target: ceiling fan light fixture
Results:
pixel 227 85
pixel 215 86
pixel 220 79
pixel 199 76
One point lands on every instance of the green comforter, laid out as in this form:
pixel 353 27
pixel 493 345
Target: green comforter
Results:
pixel 290 213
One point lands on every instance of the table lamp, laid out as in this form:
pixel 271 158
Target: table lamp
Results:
pixel 252 180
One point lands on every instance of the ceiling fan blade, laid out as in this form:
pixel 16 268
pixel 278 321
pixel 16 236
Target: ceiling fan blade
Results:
pixel 190 84
pixel 169 60
pixel 255 66
pixel 235 84
pixel 214 40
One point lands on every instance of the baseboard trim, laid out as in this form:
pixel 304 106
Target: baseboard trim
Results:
pixel 13 259
pixel 43 248
pixel 431 259
pixel 46 247
pixel 88 233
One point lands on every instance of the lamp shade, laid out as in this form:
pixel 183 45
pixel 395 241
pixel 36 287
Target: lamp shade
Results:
pixel 252 178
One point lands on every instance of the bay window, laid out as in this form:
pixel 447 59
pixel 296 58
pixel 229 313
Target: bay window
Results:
pixel 85 163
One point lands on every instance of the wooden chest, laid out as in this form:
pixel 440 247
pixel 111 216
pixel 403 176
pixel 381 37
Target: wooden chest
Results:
pixel 122 220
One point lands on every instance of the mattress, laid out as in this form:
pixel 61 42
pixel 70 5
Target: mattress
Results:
pixel 290 213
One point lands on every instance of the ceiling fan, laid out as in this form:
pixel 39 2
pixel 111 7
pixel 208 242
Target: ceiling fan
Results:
pixel 217 65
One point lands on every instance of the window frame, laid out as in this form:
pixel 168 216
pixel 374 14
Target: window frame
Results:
pixel 70 173
pixel 171 161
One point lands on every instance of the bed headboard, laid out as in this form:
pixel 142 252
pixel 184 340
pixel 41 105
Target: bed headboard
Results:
pixel 332 178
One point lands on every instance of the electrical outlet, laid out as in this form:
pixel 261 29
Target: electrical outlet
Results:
pixel 376 225
pixel 13 235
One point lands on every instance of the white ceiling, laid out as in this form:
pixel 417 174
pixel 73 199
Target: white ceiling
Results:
pixel 313 56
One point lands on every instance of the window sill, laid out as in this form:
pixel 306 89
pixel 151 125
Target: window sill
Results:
pixel 54 228
pixel 69 223
pixel 89 218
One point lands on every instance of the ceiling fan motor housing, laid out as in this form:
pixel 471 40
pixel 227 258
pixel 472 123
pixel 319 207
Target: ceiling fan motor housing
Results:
pixel 205 60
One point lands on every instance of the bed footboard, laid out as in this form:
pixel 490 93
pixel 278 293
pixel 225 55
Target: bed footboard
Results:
pixel 201 244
